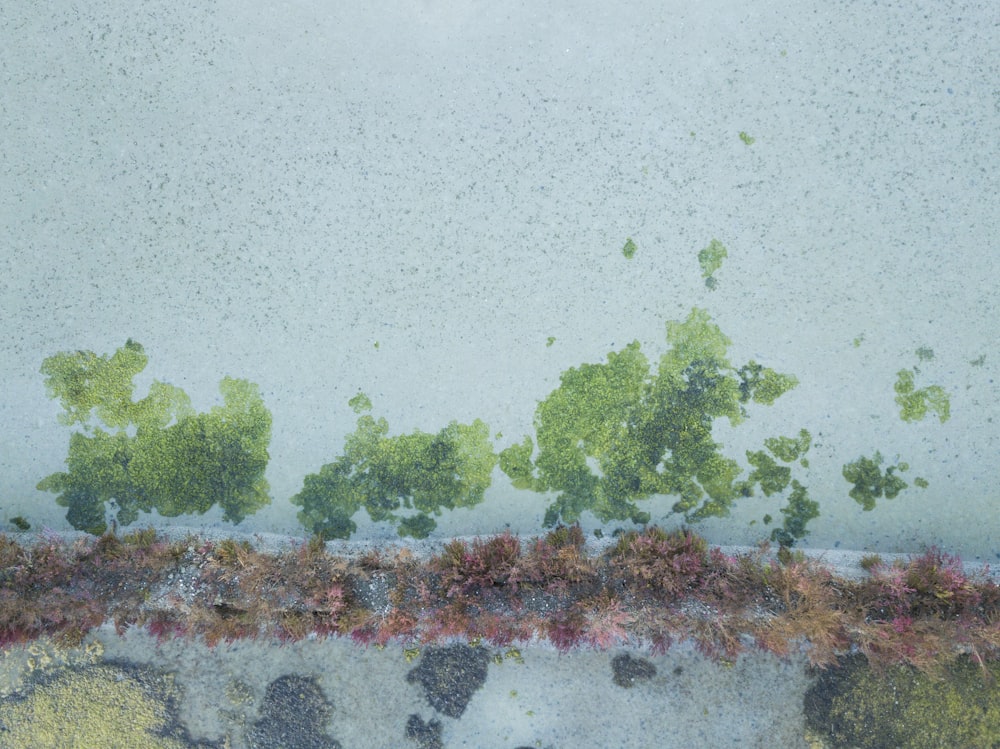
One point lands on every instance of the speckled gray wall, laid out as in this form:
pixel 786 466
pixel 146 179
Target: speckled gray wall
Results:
pixel 267 191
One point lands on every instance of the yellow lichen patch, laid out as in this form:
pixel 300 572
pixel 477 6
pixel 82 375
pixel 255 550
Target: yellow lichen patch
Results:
pixel 238 692
pixel 102 706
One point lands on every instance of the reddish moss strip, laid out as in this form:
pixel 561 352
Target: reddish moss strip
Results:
pixel 650 590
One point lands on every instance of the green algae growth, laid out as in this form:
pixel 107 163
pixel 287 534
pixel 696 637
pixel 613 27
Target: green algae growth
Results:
pixel 871 482
pixel 710 259
pixel 156 453
pixel 616 432
pixel 401 479
pixel 915 404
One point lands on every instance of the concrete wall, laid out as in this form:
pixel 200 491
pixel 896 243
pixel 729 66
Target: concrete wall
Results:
pixel 409 199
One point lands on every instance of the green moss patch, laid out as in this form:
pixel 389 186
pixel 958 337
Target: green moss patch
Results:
pixel 156 453
pixel 617 432
pixel 902 707
pixel 400 479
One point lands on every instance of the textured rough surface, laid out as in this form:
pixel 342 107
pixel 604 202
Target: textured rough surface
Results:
pixel 412 201
pixel 327 693
pixel 450 677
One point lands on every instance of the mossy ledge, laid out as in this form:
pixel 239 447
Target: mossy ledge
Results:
pixel 647 590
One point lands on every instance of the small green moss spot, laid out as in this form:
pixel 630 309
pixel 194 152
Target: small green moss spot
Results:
pixel 925 354
pixel 20 523
pixel 978 361
pixel 870 482
pixel 870 561
pixel 360 403
pixel 513 654
pixel 746 138
pixel 914 404
pixel 710 259
pixel 921 482
pixel 789 449
pixel 629 249
pixel 550 340
pixel 858 340
pixel 773 478
pixel 798 511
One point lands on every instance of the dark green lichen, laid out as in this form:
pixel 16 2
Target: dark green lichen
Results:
pixel 772 477
pixel 155 453
pixel 798 512
pixel 418 473
pixel 870 483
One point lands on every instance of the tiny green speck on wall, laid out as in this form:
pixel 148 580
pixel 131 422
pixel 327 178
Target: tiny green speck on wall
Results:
pixel 710 259
pixel 746 138
pixel 629 249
